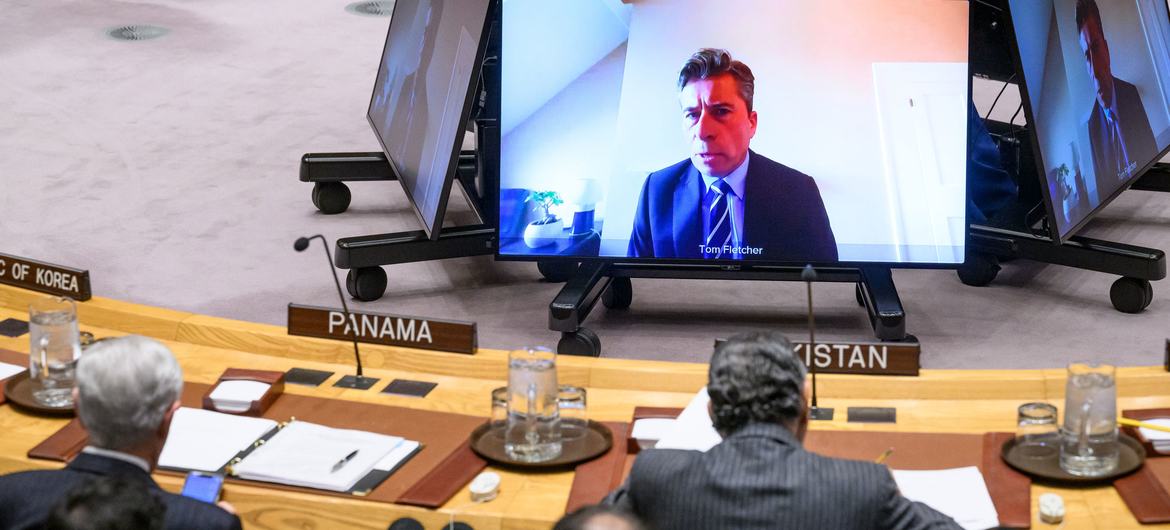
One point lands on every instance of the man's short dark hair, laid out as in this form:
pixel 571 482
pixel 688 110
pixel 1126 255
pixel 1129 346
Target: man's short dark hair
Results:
pixel 108 503
pixel 710 62
pixel 755 378
pixel 1087 9
pixel 580 518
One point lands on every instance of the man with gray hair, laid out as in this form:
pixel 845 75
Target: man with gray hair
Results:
pixel 127 391
pixel 760 476
pixel 726 201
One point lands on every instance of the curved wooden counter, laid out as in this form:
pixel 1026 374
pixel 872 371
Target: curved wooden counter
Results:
pixel 970 401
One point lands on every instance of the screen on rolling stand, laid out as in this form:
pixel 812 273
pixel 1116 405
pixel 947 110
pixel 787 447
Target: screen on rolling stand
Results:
pixel 1097 85
pixel 765 131
pixel 421 99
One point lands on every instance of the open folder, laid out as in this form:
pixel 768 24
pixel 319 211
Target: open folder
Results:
pixel 296 454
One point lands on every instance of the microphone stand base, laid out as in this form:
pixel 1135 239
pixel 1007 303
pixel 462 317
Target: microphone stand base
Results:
pixel 359 382
pixel 820 414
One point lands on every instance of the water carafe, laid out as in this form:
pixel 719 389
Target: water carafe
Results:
pixel 1088 437
pixel 533 431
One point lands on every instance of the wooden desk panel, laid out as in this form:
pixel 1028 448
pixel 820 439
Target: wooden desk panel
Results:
pixel 960 401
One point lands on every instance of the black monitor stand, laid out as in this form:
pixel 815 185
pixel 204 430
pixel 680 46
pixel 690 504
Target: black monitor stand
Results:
pixel 1010 238
pixel 365 255
pixel 610 282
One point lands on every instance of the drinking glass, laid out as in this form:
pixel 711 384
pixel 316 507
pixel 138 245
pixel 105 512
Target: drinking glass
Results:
pixel 533 431
pixel 1088 437
pixel 1037 434
pixel 571 405
pixel 499 418
pixel 54 346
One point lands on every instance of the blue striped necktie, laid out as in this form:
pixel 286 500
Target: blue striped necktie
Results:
pixel 718 218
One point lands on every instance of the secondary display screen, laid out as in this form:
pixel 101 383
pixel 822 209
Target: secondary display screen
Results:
pixel 771 131
pixel 420 102
pixel 1097 79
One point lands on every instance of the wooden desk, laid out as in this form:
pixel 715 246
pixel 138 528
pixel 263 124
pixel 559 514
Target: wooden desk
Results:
pixel 969 401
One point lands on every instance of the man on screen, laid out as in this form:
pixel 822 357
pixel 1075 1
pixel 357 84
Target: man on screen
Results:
pixel 726 201
pixel 1119 130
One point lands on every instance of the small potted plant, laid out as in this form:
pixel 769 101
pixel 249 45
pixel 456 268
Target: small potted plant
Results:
pixel 547 229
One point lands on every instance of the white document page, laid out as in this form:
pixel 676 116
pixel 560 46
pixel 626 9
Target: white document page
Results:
pixel 651 428
pixel 9 370
pixel 237 396
pixel 205 440
pixel 1160 439
pixel 959 493
pixel 693 428
pixel 304 454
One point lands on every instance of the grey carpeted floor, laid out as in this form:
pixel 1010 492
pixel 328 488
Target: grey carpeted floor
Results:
pixel 168 168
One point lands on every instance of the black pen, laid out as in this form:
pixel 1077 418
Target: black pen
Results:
pixel 341 463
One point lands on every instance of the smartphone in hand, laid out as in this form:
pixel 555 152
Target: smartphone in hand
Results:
pixel 201 486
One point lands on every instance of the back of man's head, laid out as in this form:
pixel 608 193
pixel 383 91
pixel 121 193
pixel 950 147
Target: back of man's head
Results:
pixel 755 378
pixel 108 503
pixel 126 386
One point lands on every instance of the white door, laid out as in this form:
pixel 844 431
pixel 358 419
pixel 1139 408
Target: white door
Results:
pixel 923 112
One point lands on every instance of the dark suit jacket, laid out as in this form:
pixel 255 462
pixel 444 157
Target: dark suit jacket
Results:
pixel 783 213
pixel 1135 129
pixel 761 477
pixel 27 498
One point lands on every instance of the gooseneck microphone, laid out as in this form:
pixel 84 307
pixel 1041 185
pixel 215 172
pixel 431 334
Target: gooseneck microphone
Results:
pixel 358 381
pixel 809 275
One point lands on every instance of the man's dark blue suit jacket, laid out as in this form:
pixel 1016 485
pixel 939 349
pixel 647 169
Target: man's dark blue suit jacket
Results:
pixel 27 498
pixel 783 213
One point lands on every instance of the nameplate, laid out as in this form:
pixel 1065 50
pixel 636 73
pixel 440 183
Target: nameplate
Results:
pixel 870 358
pixel 45 277
pixel 377 328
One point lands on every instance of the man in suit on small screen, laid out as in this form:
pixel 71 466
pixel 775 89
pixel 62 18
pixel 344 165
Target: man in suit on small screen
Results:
pixel 726 201
pixel 1119 129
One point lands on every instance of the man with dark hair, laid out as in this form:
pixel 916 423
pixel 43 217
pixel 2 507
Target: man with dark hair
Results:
pixel 760 476
pixel 1119 129
pixel 726 201
pixel 108 503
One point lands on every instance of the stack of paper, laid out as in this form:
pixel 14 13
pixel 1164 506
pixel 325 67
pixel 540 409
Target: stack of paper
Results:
pixel 693 429
pixel 204 440
pixel 959 493
pixel 1159 439
pixel 9 370
pixel 237 396
pixel 315 456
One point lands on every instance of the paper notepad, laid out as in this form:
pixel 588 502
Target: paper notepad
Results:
pixel 1159 439
pixel 959 493
pixel 305 454
pixel 9 370
pixel 693 428
pixel 204 440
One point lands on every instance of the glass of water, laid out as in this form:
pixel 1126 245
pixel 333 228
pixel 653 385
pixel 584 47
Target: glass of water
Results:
pixel 571 407
pixel 533 431
pixel 1037 434
pixel 1088 437
pixel 54 345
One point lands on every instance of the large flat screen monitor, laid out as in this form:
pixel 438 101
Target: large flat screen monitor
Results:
pixel 422 96
pixel 1097 85
pixel 735 132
